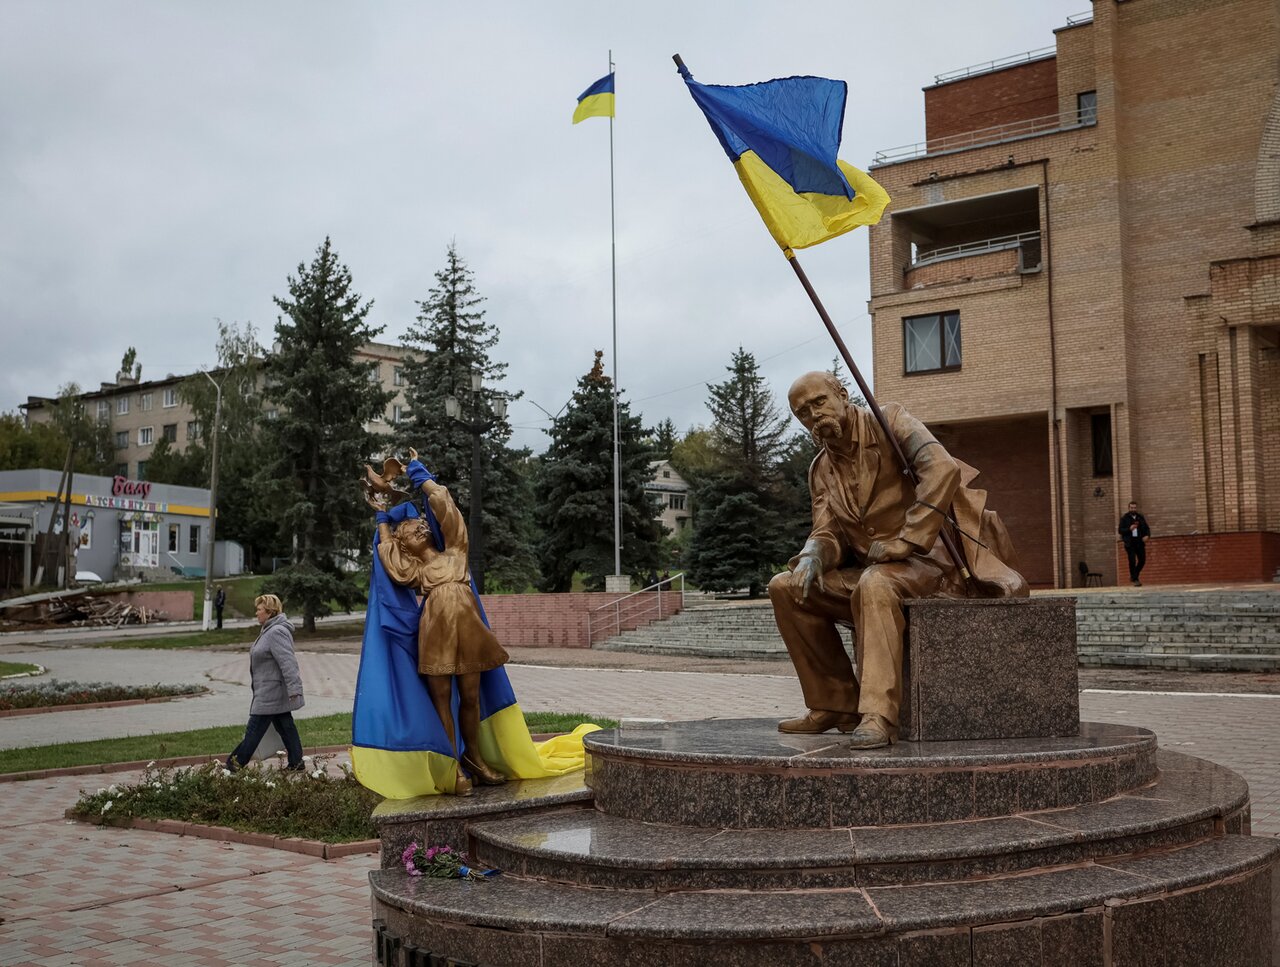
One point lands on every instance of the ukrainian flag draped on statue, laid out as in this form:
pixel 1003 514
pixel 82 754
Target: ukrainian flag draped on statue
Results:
pixel 782 137
pixel 399 747
pixel 596 101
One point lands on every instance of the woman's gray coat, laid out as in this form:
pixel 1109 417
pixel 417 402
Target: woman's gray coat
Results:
pixel 273 669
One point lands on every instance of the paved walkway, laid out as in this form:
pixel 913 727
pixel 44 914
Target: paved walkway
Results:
pixel 75 894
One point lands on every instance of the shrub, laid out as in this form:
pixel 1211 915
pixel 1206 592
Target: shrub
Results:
pixel 54 693
pixel 311 804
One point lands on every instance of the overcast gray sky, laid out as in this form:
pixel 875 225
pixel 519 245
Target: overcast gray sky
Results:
pixel 165 165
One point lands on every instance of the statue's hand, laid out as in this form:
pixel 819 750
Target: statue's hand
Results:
pixel 808 572
pixel 379 501
pixel 894 550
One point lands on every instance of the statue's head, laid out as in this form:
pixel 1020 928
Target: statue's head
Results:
pixel 821 403
pixel 414 536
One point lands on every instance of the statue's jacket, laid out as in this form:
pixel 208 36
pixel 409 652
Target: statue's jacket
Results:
pixel 865 496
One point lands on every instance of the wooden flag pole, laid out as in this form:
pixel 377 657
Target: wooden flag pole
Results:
pixel 950 544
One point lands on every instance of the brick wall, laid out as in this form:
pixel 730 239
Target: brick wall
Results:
pixel 177 605
pixel 1013 94
pixel 985 266
pixel 561 620
pixel 1250 556
pixel 1013 468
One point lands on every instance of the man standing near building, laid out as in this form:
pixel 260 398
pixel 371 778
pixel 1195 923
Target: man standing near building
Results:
pixel 1134 532
pixel 874 544
pixel 219 602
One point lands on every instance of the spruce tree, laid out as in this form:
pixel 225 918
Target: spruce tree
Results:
pixel 313 451
pixel 664 440
pixel 452 341
pixel 740 535
pixel 575 490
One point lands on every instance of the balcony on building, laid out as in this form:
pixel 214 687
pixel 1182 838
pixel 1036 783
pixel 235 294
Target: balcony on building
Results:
pixel 1024 95
pixel 964 241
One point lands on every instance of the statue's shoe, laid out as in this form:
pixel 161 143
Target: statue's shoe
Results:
pixel 871 733
pixel 482 772
pixel 819 720
pixel 461 785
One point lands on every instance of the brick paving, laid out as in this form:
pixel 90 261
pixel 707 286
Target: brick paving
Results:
pixel 77 894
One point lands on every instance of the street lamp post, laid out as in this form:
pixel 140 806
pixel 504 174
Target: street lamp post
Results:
pixel 213 504
pixel 477 425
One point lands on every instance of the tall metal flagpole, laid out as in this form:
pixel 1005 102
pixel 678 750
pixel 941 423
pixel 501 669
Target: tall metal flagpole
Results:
pixel 617 455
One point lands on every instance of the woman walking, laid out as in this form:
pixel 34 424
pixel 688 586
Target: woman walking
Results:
pixel 277 685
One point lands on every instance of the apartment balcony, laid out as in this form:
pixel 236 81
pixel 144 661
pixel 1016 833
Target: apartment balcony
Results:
pixel 983 259
pixel 999 134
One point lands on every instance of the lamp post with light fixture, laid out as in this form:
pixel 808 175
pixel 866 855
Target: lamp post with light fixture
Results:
pixel 483 417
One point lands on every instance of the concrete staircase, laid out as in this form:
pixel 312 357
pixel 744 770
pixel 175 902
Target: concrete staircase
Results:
pixel 1216 630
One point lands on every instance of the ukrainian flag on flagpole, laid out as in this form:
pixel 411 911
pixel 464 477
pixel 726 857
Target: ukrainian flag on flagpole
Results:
pixel 596 101
pixel 782 137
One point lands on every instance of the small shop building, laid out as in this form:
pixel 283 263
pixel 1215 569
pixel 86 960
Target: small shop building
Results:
pixel 120 528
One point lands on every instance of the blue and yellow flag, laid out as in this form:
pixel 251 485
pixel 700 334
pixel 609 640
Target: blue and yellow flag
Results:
pixel 782 137
pixel 596 101
pixel 399 746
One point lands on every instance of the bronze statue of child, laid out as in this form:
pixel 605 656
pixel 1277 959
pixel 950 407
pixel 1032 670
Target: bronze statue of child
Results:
pixel 453 640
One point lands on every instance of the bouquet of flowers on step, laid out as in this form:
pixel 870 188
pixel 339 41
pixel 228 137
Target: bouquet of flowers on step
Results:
pixel 443 862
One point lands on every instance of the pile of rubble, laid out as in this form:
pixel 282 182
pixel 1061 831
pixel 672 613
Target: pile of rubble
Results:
pixel 77 608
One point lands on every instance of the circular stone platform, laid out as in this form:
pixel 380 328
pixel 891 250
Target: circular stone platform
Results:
pixel 745 774
pixel 729 843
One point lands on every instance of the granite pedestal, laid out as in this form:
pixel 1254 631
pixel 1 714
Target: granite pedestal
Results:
pixel 727 842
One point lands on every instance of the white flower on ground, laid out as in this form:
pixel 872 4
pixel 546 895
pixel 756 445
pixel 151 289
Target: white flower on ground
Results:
pixel 106 805
pixel 151 764
pixel 270 784
pixel 226 772
pixel 113 790
pixel 318 774
pixel 157 785
pixel 307 760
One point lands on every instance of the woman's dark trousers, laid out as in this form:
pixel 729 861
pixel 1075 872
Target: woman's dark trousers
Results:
pixel 257 728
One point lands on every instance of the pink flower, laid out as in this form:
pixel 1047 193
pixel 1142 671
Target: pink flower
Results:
pixel 407 858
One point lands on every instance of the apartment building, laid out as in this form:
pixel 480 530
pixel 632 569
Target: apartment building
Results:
pixel 142 413
pixel 1077 287
pixel 670 494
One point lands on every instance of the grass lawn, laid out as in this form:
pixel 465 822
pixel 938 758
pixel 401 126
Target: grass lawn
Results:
pixel 318 731
pixel 16 668
pixel 228 636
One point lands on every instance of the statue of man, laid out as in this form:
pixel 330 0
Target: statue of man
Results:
pixel 874 544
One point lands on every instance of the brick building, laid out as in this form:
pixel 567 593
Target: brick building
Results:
pixel 1078 287
pixel 142 413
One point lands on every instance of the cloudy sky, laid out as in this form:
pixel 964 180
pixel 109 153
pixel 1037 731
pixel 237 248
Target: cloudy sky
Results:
pixel 166 165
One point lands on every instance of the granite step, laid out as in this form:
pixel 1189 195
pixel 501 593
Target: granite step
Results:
pixel 1189 802
pixel 744 774
pixel 1212 894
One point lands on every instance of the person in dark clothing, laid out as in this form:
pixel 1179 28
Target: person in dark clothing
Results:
pixel 1134 533
pixel 219 602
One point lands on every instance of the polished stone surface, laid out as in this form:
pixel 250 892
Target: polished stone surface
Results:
pixel 744 774
pixel 510 796
pixel 758 743
pixel 990 668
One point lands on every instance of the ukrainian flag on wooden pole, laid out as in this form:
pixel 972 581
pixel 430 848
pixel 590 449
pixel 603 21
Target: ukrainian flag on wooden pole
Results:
pixel 596 101
pixel 782 137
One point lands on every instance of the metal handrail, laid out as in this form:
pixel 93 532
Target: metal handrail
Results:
pixel 616 607
pixel 1076 19
pixel 1028 127
pixel 987 66
pixel 965 249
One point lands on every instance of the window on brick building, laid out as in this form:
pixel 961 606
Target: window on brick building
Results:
pixel 170 397
pixel 1100 431
pixel 170 432
pixel 122 470
pixel 146 436
pixel 104 411
pixel 122 439
pixel 931 343
pixel 142 470
pixel 1087 107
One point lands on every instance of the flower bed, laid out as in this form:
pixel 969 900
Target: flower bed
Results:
pixel 55 693
pixel 308 805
